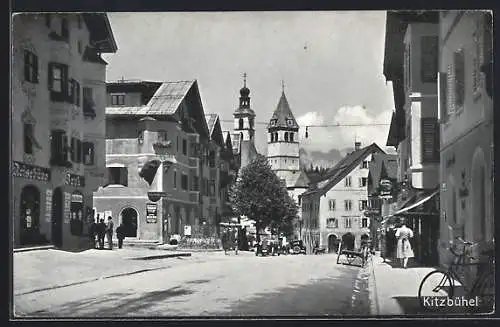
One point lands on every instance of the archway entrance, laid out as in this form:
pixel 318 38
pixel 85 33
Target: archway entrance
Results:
pixel 57 217
pixel 30 215
pixel 332 243
pixel 348 241
pixel 129 221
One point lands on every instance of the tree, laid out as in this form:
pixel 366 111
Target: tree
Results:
pixel 259 195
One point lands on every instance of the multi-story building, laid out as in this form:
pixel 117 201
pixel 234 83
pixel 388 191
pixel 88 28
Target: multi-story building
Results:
pixel 411 63
pixel 283 153
pixel 58 101
pixel 157 156
pixel 466 124
pixel 334 209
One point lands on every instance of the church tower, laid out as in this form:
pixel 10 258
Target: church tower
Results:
pixel 283 141
pixel 244 116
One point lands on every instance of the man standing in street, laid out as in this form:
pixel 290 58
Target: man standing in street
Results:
pixel 109 232
pixel 120 234
pixel 92 234
pixel 101 232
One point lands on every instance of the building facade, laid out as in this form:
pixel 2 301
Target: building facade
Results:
pixel 411 63
pixel 159 156
pixel 335 208
pixel 58 101
pixel 283 153
pixel 466 125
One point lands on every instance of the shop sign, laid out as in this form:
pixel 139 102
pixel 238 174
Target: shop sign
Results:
pixel 76 198
pixel 48 205
pixel 37 173
pixel 155 196
pixel 67 206
pixel 151 213
pixel 75 180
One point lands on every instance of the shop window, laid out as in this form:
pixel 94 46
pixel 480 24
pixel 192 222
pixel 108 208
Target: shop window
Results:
pixel 30 67
pixel 58 82
pixel 76 214
pixel 118 176
pixel 88 153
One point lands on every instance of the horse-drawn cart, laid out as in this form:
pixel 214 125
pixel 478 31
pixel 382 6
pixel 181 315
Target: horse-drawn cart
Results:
pixel 348 255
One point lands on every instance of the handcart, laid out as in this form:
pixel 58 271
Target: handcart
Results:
pixel 350 256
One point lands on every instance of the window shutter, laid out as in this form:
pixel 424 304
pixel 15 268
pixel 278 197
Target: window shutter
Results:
pixel 73 149
pixel 442 93
pixel 450 90
pixel 429 59
pixel 50 76
pixel 65 148
pixel 79 151
pixel 430 149
pixel 35 69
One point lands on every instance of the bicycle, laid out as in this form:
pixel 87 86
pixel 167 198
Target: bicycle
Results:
pixel 441 282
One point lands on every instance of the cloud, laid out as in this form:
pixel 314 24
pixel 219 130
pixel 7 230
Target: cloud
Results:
pixel 324 138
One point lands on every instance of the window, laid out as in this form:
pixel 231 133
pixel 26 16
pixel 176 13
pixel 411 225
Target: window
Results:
pixel 73 149
pixel 430 139
pixel 88 102
pixel 363 181
pixel 286 136
pixel 459 63
pixel 364 164
pixel 251 121
pixel 195 183
pixel 162 136
pixel 211 159
pixel 59 147
pixel 347 222
pixel 140 136
pixel 273 122
pixel 348 181
pixel 117 99
pixel 184 147
pixel 58 81
pixel 79 151
pixel 429 59
pixel 184 182
pixel 363 205
pixel 240 123
pixel 118 176
pixel 175 180
pixel 62 32
pixel 347 205
pixel 88 153
pixel 74 93
pixel 364 222
pixel 332 223
pixel 289 122
pixel 331 205
pixel 291 137
pixel 30 67
pixel 29 140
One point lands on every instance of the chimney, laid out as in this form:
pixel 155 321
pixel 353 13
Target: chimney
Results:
pixel 357 146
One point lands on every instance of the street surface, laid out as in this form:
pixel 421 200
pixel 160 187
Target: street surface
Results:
pixel 209 284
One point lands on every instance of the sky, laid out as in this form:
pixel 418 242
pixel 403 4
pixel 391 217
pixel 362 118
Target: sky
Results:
pixel 330 62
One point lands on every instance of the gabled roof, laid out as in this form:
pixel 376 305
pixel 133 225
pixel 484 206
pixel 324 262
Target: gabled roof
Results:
pixel 343 168
pixel 168 97
pixel 214 128
pixel 283 116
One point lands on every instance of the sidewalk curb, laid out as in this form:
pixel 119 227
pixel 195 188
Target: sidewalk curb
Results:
pixel 33 248
pixel 89 280
pixel 372 290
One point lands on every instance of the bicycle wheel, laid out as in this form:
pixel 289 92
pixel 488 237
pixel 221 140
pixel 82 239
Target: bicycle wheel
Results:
pixel 435 284
pixel 484 289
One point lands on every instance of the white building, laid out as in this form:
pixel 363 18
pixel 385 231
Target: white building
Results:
pixel 283 151
pixel 334 208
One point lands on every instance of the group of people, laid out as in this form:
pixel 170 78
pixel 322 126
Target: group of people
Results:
pixel 99 230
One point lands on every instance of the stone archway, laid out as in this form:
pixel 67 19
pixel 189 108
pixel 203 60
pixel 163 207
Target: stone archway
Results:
pixel 333 243
pixel 30 215
pixel 129 219
pixel 348 240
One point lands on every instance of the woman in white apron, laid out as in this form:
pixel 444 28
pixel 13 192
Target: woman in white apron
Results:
pixel 403 248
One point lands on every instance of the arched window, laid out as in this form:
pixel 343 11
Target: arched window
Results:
pixel 240 123
pixel 286 136
pixel 275 136
pixel 272 137
pixel 291 137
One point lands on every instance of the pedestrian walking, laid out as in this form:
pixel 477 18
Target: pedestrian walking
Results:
pixel 101 233
pixel 109 232
pixel 234 240
pixel 403 249
pixel 225 240
pixel 92 234
pixel 120 234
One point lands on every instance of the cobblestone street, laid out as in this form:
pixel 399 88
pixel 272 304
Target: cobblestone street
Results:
pixel 206 284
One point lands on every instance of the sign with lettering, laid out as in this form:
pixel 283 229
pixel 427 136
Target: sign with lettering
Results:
pixel 37 173
pixel 151 213
pixel 48 205
pixel 385 188
pixel 67 206
pixel 75 180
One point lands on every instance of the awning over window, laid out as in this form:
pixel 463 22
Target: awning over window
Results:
pixel 418 200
